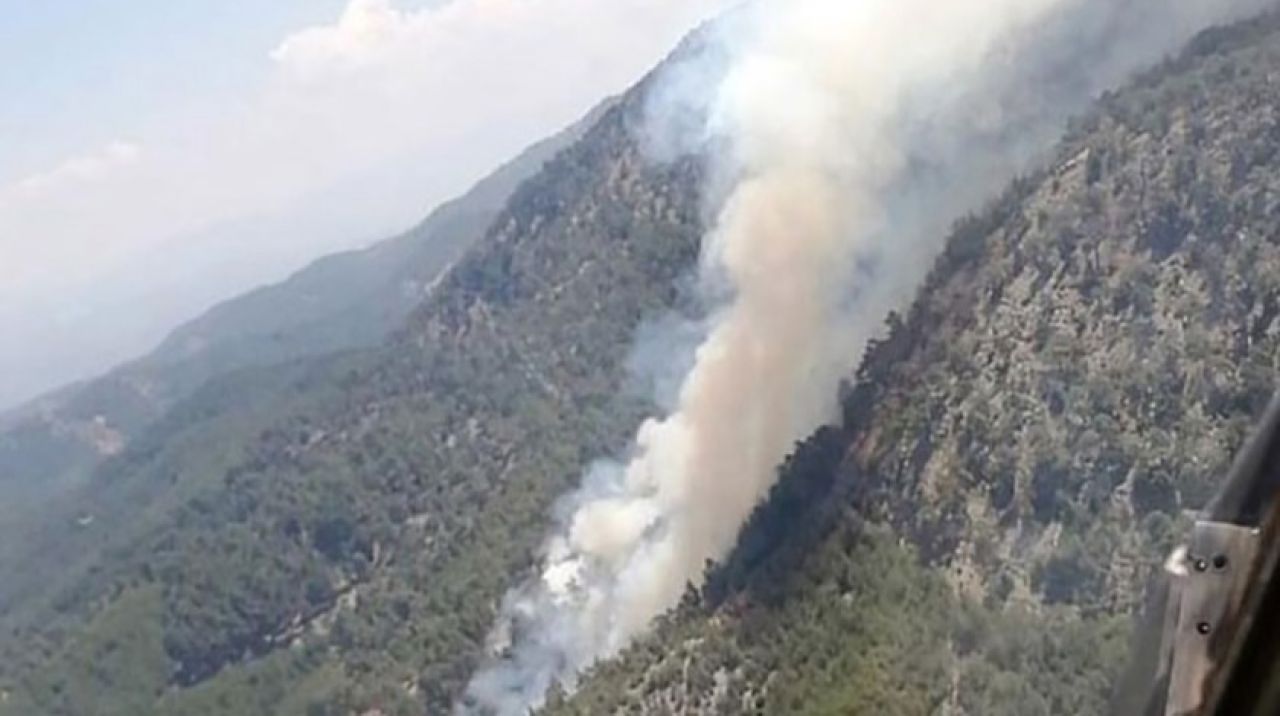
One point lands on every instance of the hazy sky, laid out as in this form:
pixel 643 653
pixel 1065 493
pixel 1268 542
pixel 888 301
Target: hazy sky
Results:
pixel 159 155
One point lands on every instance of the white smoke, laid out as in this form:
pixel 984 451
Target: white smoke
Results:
pixel 850 135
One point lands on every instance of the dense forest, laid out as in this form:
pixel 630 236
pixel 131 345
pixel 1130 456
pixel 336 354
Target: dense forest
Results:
pixel 332 535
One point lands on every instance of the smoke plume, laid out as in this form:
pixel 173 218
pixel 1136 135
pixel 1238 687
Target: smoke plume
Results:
pixel 848 136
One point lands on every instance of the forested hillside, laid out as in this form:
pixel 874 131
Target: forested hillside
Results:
pixel 333 535
pixel 1021 450
pixel 341 302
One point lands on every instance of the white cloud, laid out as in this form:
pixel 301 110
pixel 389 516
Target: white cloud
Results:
pixel 91 167
pixel 365 28
pixel 493 32
pixel 402 108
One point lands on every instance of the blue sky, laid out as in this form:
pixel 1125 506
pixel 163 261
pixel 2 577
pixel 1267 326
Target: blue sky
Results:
pixel 143 140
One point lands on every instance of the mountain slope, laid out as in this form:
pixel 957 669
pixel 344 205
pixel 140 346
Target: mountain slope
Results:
pixel 343 543
pixel 1018 454
pixel 341 302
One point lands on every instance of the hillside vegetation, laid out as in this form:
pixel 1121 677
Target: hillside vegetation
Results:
pixel 1021 450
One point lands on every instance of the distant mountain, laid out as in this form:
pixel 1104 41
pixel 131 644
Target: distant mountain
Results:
pixel 340 302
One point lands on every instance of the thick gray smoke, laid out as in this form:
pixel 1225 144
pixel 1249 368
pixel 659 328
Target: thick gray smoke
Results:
pixel 849 136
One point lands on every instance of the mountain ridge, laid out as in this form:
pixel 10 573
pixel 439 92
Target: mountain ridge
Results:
pixel 340 302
